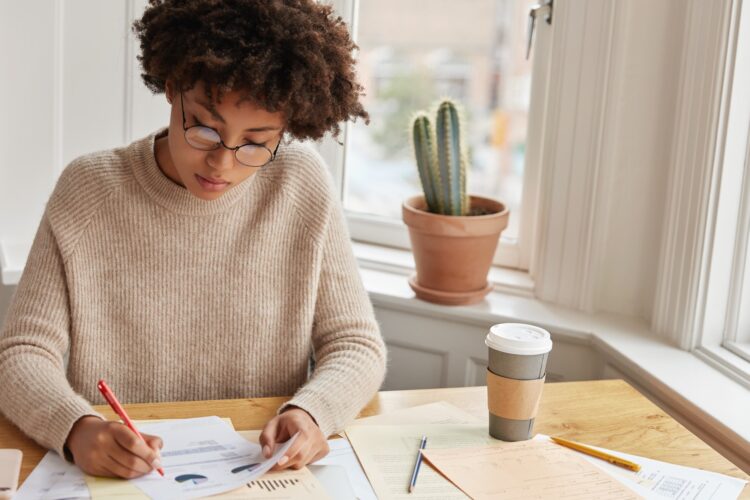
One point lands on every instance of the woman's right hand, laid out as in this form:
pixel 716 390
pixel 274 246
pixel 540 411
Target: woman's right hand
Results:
pixel 102 448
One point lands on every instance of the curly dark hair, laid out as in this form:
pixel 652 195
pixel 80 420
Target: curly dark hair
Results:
pixel 292 56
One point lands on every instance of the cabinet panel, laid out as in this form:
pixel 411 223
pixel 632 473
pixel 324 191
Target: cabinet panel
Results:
pixel 413 367
pixel 476 372
pixel 426 352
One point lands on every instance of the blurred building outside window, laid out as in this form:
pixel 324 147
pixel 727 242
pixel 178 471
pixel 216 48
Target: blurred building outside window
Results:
pixel 414 52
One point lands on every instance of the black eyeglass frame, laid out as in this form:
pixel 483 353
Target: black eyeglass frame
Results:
pixel 185 128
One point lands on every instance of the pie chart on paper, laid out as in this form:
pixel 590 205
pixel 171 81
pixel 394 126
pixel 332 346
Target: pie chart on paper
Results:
pixel 191 478
pixel 244 468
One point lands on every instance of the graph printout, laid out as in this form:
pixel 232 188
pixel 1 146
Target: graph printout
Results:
pixel 203 456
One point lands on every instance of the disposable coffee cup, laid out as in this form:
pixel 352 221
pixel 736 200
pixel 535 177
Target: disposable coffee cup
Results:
pixel 515 378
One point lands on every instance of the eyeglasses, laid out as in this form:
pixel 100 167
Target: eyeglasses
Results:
pixel 208 139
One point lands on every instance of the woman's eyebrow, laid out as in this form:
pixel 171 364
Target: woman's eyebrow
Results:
pixel 212 109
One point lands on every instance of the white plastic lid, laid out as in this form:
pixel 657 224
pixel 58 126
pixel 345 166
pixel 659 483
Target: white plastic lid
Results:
pixel 518 338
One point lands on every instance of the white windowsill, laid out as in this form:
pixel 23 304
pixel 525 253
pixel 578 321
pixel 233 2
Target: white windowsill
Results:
pixel 688 387
pixel 12 260
pixel 399 261
pixel 626 343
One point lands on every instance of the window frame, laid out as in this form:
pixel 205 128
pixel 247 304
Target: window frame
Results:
pixel 723 271
pixel 737 333
pixel 514 253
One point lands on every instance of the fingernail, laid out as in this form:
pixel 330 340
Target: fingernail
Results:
pixel 267 451
pixel 156 464
pixel 283 460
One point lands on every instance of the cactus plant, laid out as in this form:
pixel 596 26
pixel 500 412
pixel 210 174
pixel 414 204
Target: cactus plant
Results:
pixel 441 160
pixel 452 254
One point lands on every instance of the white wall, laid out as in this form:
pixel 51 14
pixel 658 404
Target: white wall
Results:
pixel 28 130
pixel 75 87
pixel 70 86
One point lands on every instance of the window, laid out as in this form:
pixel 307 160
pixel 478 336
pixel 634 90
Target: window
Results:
pixel 412 53
pixel 726 335
pixel 737 166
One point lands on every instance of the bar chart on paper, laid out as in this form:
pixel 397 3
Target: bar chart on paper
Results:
pixel 282 485
pixel 274 484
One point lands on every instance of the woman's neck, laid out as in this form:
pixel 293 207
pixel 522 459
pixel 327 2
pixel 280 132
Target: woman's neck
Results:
pixel 164 159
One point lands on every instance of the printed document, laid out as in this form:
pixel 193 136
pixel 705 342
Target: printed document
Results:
pixel 203 456
pixel 341 474
pixel 525 470
pixel 388 452
pixel 662 480
pixel 52 479
pixel 287 484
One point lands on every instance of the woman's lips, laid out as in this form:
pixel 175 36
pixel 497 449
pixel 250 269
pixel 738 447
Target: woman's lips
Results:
pixel 211 184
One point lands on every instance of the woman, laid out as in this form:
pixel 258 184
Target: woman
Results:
pixel 209 259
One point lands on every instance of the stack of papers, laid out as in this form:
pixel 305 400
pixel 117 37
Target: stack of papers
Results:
pixel 54 478
pixel 339 473
pixel 526 469
pixel 286 484
pixel 206 456
pixel 388 453
pixel 660 480
pixel 201 457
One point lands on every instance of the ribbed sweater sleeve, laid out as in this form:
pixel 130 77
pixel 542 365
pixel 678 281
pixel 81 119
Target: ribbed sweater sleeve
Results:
pixel 173 298
pixel 349 351
pixel 35 394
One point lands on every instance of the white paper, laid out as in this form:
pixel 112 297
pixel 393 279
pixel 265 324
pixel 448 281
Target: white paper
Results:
pixel 203 456
pixel 334 481
pixel 659 480
pixel 440 412
pixel 54 478
pixel 342 456
pixel 387 454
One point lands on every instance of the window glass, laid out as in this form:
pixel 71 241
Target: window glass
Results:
pixel 414 52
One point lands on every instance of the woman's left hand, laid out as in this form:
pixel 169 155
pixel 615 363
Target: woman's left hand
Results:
pixel 310 445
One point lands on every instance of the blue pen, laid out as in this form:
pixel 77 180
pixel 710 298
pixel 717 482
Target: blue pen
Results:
pixel 413 482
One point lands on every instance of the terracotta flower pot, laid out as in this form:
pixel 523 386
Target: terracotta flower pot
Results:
pixel 453 253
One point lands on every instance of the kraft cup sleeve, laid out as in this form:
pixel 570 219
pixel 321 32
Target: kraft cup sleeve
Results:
pixel 513 399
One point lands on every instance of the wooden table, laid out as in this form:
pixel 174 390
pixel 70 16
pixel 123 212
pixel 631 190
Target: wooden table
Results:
pixel 608 413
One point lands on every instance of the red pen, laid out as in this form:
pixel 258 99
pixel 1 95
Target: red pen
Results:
pixel 117 408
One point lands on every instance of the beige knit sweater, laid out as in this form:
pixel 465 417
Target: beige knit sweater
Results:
pixel 170 298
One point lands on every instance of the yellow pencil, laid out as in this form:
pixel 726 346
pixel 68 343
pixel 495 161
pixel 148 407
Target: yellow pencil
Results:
pixel 598 454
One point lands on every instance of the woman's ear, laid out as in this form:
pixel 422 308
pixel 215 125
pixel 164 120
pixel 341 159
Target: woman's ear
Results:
pixel 169 91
